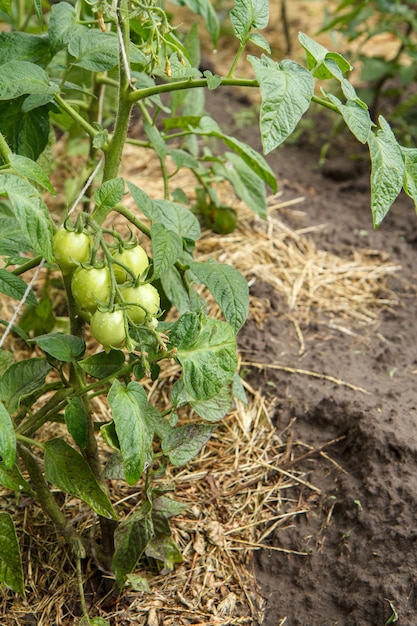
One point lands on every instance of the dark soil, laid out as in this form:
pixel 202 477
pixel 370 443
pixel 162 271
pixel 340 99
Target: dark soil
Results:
pixel 361 536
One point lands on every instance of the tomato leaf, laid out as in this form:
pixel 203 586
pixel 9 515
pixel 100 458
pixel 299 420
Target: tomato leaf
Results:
pixel 15 287
pixel 76 421
pixel 21 379
pixel 69 471
pixel 183 443
pixel 7 438
pixel 286 92
pixel 31 213
pixel 248 14
pixel 12 478
pixel 22 77
pixel 387 170
pixel 247 185
pixel 103 364
pixel 357 118
pixel 25 130
pixel 31 170
pixel 94 50
pixel 11 572
pixel 206 350
pixel 166 248
pixel 206 10
pixel 62 25
pixel 162 546
pixel 228 287
pixel 133 427
pixel 322 63
pixel 108 195
pixel 65 348
pixel 20 46
pixel 130 539
pixel 410 174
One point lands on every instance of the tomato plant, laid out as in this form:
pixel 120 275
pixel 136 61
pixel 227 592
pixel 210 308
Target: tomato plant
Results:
pixel 79 69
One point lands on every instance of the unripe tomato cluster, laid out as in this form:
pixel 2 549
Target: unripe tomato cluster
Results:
pixel 92 287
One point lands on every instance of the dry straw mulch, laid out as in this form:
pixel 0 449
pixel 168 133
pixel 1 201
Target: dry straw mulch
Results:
pixel 243 486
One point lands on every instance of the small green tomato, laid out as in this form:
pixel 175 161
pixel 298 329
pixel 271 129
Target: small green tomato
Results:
pixel 108 328
pixel 134 258
pixel 145 296
pixel 71 249
pixel 90 286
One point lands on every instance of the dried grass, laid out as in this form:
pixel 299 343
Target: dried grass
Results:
pixel 243 486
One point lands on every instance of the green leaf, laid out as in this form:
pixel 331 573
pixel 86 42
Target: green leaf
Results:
pixel 162 547
pixel 19 46
pixel 167 507
pixel 387 170
pixel 212 410
pixel 7 439
pixel 228 287
pixel 246 183
pixel 31 213
pixel 410 174
pixel 70 472
pixel 260 41
pixel 322 63
pixel 166 248
pixel 249 14
pixel 11 572
pixel 206 350
pixel 21 379
pixel 173 216
pixel 26 132
pixel 6 6
pixel 181 158
pixel 94 50
pixel 16 329
pixel 31 170
pixel 286 92
pixel 76 421
pixel 356 117
pixel 206 10
pixel 213 80
pixel 66 348
pixel 131 538
pixel 6 360
pixel 134 429
pixel 62 25
pixel 22 77
pixel 38 318
pixel 185 442
pixel 108 195
pixel 103 364
pixel 15 287
pixel 12 479
pixel 251 157
pixel 175 290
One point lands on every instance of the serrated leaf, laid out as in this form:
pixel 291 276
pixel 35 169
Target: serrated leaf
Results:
pixel 357 118
pixel 133 427
pixel 22 77
pixel 410 173
pixel 11 572
pixel 76 422
pixel 7 439
pixel 94 50
pixel 31 213
pixel 26 131
pixel 185 442
pixel 248 14
pixel 131 538
pixel 31 170
pixel 286 92
pixel 246 183
pixel 21 379
pixel 66 348
pixel 20 46
pixel 173 216
pixel 166 248
pixel 228 287
pixel 103 364
pixel 108 195
pixel 387 170
pixel 70 472
pixel 15 287
pixel 206 350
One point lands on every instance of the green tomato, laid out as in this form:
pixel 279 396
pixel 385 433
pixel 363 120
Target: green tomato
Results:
pixel 134 258
pixel 71 249
pixel 143 296
pixel 90 286
pixel 108 328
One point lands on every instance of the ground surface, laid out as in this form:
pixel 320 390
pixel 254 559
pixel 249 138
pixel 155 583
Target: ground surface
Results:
pixel 359 541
